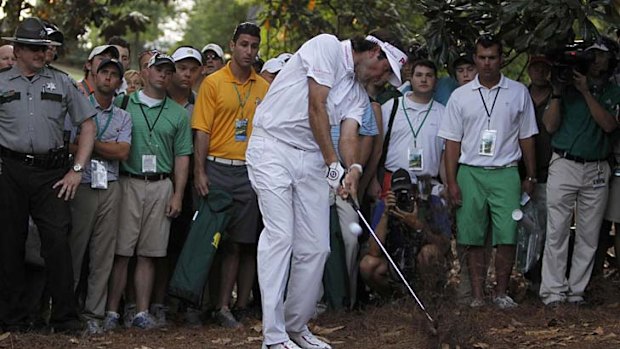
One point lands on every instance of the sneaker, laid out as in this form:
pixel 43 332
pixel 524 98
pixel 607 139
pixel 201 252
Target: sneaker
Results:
pixel 306 340
pixel 159 312
pixel 504 302
pixel 93 328
pixel 128 314
pixel 226 319
pixel 144 320
pixel 289 344
pixel 192 316
pixel 112 321
pixel 477 303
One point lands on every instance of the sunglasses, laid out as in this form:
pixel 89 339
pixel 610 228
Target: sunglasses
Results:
pixel 36 48
pixel 147 52
pixel 211 57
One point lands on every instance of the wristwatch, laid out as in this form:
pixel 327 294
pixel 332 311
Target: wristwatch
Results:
pixel 77 167
pixel 531 179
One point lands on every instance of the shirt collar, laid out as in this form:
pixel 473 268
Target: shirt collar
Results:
pixel 409 104
pixel 98 107
pixel 15 72
pixel 231 78
pixel 475 84
pixel 136 99
pixel 347 49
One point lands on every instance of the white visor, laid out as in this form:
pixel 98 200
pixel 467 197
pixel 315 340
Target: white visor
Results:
pixel 396 57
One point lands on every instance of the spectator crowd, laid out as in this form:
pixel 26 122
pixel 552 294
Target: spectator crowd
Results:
pixel 212 186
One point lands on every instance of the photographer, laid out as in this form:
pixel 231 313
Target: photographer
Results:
pixel 579 117
pixel 417 248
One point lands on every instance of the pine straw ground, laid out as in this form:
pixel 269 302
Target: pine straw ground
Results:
pixel 396 325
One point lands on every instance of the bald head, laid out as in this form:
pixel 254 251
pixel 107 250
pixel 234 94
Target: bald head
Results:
pixel 7 59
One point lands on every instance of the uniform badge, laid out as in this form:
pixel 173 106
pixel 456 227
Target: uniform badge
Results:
pixel 50 86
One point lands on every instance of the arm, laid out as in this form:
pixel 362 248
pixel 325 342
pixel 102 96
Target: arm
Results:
pixel 319 120
pixel 201 149
pixel 529 159
pixel 69 183
pixel 112 150
pixel 349 145
pixel 452 153
pixel 369 179
pixel 382 228
pixel 181 169
pixel 601 116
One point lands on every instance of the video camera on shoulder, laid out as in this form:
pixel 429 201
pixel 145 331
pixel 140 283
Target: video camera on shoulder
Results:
pixel 403 190
pixel 573 56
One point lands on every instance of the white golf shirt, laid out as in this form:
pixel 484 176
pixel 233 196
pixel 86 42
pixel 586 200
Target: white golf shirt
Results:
pixel 401 138
pixel 512 118
pixel 283 114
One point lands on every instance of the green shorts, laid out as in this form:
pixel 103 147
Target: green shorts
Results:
pixel 484 191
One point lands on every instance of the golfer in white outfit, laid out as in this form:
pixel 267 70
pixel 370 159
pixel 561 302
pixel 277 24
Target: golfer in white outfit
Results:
pixel 292 163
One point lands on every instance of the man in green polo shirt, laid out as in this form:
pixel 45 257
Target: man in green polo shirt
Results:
pixel 581 117
pixel 161 144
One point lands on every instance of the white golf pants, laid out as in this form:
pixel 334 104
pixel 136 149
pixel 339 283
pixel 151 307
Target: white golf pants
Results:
pixel 293 197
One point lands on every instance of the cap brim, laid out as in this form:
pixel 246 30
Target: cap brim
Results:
pixel 171 64
pixel 32 41
pixel 178 59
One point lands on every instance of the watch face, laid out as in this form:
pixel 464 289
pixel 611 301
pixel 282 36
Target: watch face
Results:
pixel 77 167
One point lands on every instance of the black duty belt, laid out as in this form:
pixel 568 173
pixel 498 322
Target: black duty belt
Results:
pixel 147 177
pixel 564 154
pixel 34 160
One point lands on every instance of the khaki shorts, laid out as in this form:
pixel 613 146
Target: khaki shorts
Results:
pixel 143 227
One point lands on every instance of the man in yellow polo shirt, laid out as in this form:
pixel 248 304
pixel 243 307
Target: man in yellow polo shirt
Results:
pixel 223 122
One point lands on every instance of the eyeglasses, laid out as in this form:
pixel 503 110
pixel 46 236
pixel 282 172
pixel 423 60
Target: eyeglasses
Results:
pixel 246 27
pixel 147 52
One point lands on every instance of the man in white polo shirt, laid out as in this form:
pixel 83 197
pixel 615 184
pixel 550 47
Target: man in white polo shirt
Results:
pixel 292 163
pixel 489 124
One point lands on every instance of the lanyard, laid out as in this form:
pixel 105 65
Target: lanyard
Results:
pixel 151 128
pixel 100 131
pixel 416 133
pixel 242 103
pixel 487 109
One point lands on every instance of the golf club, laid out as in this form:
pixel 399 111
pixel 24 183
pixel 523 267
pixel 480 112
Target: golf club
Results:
pixel 387 255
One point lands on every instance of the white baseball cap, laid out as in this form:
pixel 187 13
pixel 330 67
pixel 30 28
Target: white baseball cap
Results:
pixel 185 52
pixel 274 65
pixel 103 48
pixel 215 48
pixel 395 56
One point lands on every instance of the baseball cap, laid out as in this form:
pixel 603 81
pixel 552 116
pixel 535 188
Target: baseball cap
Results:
pixel 274 65
pixel 401 180
pixel 160 59
pixel 463 58
pixel 395 56
pixel 103 49
pixel 539 59
pixel 114 62
pixel 185 52
pixel 215 48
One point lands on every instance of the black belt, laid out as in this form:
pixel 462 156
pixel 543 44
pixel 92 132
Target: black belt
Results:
pixel 34 160
pixel 564 154
pixel 150 177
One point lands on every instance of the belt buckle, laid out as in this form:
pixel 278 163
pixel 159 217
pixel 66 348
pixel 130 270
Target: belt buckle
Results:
pixel 29 160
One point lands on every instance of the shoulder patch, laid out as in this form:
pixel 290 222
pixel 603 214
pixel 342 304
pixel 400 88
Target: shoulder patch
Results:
pixel 58 70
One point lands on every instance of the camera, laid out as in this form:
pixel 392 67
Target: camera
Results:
pixel 403 190
pixel 573 56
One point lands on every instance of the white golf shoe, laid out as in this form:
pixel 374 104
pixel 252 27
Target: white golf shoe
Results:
pixel 306 340
pixel 289 344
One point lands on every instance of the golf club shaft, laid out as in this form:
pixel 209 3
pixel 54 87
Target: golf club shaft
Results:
pixel 387 255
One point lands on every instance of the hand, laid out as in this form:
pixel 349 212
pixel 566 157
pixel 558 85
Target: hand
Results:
pixel 334 175
pixel 409 218
pixel 68 185
pixel 390 202
pixel 349 184
pixel 201 183
pixel 527 187
pixel 455 195
pixel 581 82
pixel 174 206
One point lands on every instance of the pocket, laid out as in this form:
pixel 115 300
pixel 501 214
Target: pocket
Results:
pixel 255 150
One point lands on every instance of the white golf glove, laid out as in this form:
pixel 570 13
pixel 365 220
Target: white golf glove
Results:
pixel 334 174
